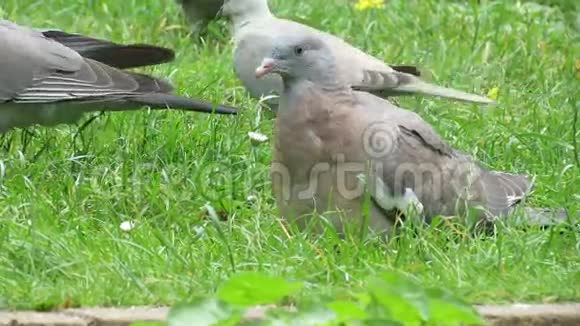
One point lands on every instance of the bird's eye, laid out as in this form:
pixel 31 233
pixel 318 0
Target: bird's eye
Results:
pixel 298 50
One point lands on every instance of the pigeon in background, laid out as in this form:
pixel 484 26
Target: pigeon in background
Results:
pixel 200 12
pixel 255 28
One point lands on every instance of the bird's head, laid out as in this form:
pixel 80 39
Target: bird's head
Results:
pixel 299 57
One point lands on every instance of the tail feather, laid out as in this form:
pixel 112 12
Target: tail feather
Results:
pixel 420 87
pixel 404 80
pixel 165 101
pixel 504 192
pixel 546 216
pixel 129 56
pixel 113 54
pixel 142 90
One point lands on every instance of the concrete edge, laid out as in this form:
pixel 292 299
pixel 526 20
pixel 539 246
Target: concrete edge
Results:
pixel 562 314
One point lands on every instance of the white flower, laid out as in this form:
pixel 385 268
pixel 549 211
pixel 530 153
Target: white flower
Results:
pixel 199 230
pixel 127 226
pixel 257 137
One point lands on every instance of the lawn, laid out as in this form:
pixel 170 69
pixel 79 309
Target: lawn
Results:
pixel 63 199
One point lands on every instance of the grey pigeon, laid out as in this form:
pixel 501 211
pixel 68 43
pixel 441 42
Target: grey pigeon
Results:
pixel 200 12
pixel 335 145
pixel 255 28
pixel 45 81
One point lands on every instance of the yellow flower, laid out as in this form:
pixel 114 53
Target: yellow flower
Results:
pixel 493 93
pixel 368 4
pixel 577 64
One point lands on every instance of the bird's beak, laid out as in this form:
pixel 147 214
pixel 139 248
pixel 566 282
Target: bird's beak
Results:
pixel 268 64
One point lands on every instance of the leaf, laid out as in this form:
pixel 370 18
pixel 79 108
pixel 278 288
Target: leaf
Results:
pixel 394 307
pixel 449 310
pixel 147 323
pixel 364 299
pixel 252 288
pixel 201 312
pixel 444 313
pixel 347 310
pixel 398 298
pixel 381 322
pixel 314 316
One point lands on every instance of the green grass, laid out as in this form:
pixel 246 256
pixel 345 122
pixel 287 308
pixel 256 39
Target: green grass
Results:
pixel 62 200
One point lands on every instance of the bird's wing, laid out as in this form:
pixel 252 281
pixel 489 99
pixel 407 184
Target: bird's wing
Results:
pixel 401 81
pixel 35 69
pixel 444 180
pixel 110 53
pixel 26 58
